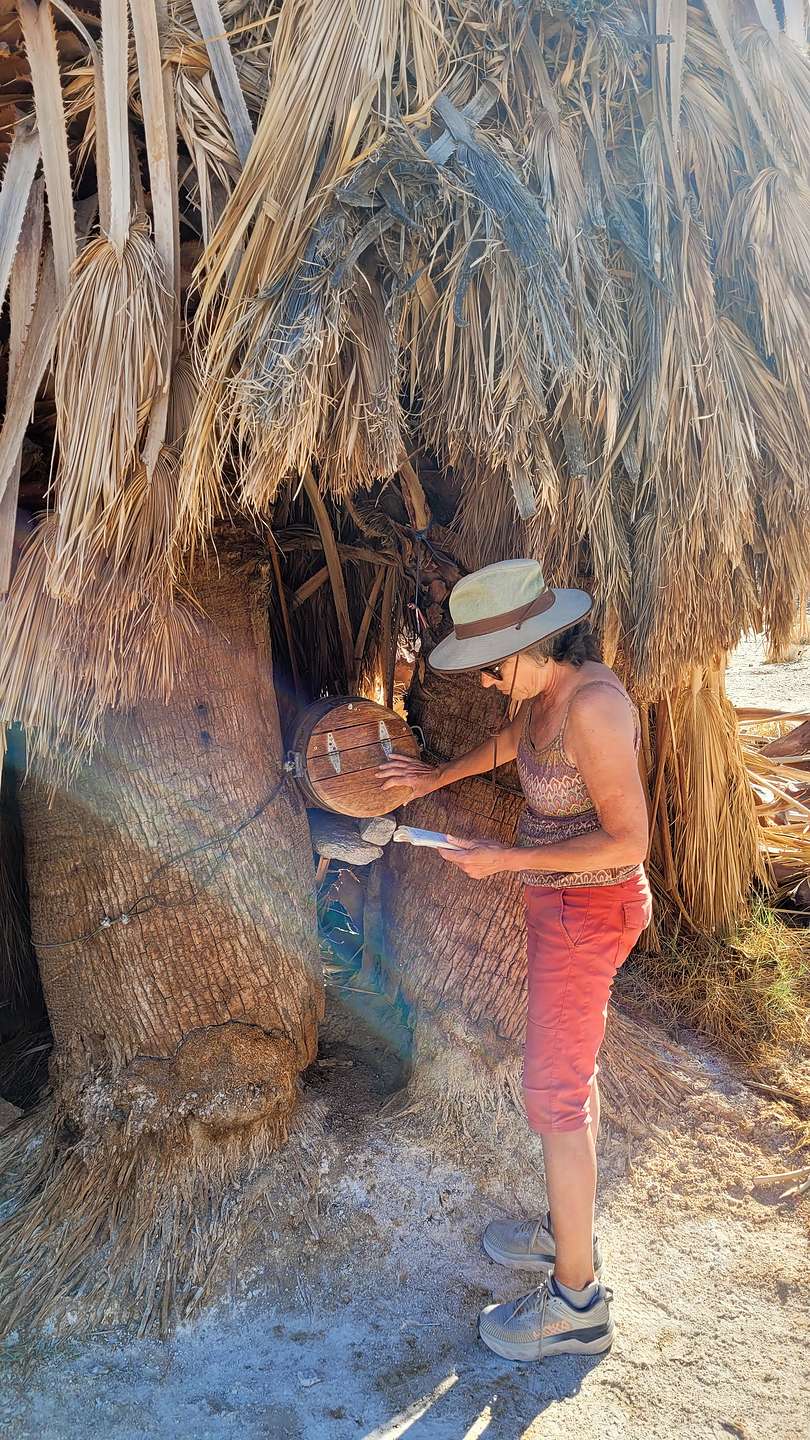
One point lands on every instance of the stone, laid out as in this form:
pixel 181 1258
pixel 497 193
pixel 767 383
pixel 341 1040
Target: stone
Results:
pixel 337 837
pixel 378 829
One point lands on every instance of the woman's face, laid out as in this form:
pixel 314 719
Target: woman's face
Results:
pixel 519 677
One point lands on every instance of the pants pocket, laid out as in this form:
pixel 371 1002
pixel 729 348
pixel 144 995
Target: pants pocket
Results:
pixel 575 909
pixel 637 914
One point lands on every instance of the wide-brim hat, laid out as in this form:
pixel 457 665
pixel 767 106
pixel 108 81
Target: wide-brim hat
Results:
pixel 501 610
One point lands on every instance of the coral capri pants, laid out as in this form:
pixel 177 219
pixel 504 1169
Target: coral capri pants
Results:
pixel 577 939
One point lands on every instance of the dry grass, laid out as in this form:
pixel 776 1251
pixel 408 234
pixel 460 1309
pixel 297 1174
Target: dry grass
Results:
pixel 464 1089
pixel 140 1233
pixel 749 991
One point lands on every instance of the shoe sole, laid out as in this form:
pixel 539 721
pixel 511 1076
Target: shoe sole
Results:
pixel 544 1263
pixel 570 1346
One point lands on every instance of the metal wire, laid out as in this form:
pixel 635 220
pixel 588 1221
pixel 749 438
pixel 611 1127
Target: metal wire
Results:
pixel 148 900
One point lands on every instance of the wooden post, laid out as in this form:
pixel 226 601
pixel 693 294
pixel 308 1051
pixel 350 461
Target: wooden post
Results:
pixel 332 557
pixel 285 616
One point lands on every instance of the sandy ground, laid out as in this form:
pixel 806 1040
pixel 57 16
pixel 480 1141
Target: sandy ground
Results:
pixel 366 1328
pixel 750 681
pixel 371 1333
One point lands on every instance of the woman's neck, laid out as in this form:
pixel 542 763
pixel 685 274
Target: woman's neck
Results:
pixel 553 685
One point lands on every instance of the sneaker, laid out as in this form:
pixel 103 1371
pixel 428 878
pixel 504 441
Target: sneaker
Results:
pixel 527 1245
pixel 543 1323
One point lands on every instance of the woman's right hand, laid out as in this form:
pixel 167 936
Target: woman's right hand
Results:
pixel 401 772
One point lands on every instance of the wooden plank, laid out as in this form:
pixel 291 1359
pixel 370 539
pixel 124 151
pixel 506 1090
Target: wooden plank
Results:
pixel 359 795
pixel 352 762
pixel 355 737
pixel 360 739
pixel 357 711
pixel 24 277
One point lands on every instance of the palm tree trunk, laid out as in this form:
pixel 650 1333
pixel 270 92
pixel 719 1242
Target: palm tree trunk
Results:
pixel 207 1000
pixel 180 1033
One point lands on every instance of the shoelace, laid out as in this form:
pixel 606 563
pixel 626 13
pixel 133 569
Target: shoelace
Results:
pixel 544 1294
pixel 543 1291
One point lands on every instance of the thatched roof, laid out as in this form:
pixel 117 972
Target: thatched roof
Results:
pixel 558 254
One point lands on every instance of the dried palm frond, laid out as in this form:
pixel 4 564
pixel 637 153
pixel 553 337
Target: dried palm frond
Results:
pixel 279 397
pixel 114 322
pixel 780 74
pixel 157 101
pixel 364 424
pixel 124 635
pixel 22 300
pixel 142 1231
pixel 329 77
pixel 204 130
pixel 782 798
pixel 18 179
pixel 766 245
pixel 484 376
pixel 38 30
pixel 332 90
pixel 209 20
pixel 716 833
pixel 484 527
pixel 182 398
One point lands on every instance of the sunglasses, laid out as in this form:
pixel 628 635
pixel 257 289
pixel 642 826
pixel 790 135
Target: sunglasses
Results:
pixel 495 672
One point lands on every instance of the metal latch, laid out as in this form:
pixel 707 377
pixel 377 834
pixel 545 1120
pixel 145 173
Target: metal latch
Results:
pixel 292 764
pixel 385 738
pixel 333 752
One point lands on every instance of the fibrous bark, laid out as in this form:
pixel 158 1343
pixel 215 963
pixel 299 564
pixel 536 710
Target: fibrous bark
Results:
pixel 181 1027
pixel 206 1000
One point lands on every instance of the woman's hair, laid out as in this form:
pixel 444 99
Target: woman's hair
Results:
pixel 570 647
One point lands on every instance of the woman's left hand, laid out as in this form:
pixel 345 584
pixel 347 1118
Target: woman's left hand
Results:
pixel 478 858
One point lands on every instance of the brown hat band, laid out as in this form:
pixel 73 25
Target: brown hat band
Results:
pixel 473 628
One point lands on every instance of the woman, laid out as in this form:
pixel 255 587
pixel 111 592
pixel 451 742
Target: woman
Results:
pixel 582 841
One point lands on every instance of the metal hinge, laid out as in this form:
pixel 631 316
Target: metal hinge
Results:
pixel 292 764
pixel 333 752
pixel 385 738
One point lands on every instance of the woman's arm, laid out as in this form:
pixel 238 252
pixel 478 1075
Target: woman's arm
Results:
pixel 600 741
pixel 425 779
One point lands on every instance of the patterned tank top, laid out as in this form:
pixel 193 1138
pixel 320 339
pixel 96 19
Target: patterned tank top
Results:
pixel 558 804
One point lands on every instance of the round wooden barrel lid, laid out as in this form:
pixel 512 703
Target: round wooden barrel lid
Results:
pixel 338 746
